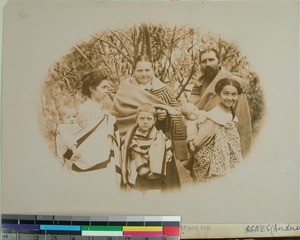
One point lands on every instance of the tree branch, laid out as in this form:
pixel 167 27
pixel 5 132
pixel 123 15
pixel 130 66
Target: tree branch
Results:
pixel 84 56
pixel 118 49
pixel 123 44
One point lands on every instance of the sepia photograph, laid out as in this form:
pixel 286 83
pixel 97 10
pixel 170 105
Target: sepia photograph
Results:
pixel 189 117
pixel 152 108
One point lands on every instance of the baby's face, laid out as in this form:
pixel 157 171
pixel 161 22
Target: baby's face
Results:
pixel 69 116
pixel 192 112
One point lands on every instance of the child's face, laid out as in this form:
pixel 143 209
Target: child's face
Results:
pixel 228 96
pixel 69 116
pixel 192 112
pixel 145 121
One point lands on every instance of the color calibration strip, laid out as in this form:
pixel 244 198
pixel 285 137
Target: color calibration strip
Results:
pixel 37 227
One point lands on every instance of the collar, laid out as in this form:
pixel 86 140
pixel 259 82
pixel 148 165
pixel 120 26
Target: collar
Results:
pixel 96 104
pixel 147 86
pixel 220 116
pixel 151 133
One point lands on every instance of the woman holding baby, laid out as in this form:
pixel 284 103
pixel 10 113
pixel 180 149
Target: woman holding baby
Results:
pixel 213 138
pixel 97 139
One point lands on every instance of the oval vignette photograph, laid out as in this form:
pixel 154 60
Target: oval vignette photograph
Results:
pixel 154 107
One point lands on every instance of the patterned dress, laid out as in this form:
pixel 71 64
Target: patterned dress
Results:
pixel 205 98
pixel 218 146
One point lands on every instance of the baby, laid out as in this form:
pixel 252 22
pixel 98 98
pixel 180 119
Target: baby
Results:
pixel 194 116
pixel 66 144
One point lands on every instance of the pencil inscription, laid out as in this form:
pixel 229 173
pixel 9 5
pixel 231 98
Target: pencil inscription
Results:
pixel 271 228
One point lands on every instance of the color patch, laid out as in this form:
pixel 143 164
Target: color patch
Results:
pixel 143 228
pixel 102 228
pixel 21 226
pixel 171 231
pixel 143 234
pixel 60 227
pixel 103 233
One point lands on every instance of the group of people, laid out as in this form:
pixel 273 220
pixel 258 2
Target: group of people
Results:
pixel 146 131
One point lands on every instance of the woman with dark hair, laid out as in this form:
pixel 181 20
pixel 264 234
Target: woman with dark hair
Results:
pixel 97 140
pixel 217 142
pixel 144 87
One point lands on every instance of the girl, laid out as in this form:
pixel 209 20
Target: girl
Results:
pixel 217 142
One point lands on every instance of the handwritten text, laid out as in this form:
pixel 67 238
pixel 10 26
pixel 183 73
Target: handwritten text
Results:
pixel 271 228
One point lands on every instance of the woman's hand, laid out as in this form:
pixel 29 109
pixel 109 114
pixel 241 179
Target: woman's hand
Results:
pixel 161 114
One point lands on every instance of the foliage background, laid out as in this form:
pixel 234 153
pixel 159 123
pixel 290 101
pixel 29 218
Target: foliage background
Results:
pixel 175 54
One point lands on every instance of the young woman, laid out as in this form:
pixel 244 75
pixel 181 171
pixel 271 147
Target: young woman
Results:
pixel 217 144
pixel 98 137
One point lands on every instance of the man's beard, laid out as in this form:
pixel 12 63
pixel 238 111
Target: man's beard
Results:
pixel 210 73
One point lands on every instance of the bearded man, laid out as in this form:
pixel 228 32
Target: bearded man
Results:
pixel 205 98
